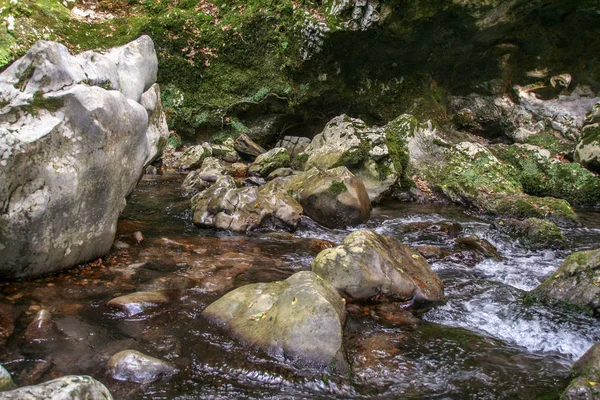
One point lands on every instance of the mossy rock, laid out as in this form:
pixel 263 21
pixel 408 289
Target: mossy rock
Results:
pixel 542 173
pixel 587 152
pixel 586 385
pixel 575 285
pixel 534 233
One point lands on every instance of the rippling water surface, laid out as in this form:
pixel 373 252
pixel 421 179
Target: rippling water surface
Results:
pixel 484 343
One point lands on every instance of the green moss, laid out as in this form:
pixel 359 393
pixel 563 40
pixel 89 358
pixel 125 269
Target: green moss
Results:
pixel 550 177
pixel 550 142
pixel 396 134
pixel 337 188
pixel 300 161
pixel 174 141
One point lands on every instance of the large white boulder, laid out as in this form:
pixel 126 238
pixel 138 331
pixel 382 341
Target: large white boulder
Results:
pixel 74 141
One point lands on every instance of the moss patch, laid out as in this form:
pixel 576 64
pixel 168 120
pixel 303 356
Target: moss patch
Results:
pixel 337 188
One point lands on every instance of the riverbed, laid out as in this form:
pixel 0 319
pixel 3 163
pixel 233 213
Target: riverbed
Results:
pixel 483 343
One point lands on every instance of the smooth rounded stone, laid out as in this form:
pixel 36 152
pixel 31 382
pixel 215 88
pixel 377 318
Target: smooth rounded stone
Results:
pixel 6 382
pixel 224 206
pixel 335 199
pixel 294 144
pixel 225 153
pixel 71 387
pixel 268 162
pixel 137 302
pixel 193 157
pixel 243 144
pixel 479 245
pixel 533 233
pixel 280 172
pixel 586 385
pixel 133 366
pixel 574 285
pixel 69 146
pixel 254 181
pixel 42 327
pixel 301 318
pixel 587 152
pixel 368 266
pixel 212 169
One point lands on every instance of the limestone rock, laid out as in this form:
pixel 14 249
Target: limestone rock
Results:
pixel 367 265
pixel 200 179
pixel 279 173
pixel 245 145
pixel 137 302
pixel 193 157
pixel 374 155
pixel 224 206
pixel 587 152
pixel 268 162
pixel 71 153
pixel 225 153
pixel 6 382
pixel 72 387
pixel 301 318
pixel 133 366
pixel 587 370
pixel 335 199
pixel 294 144
pixel 574 284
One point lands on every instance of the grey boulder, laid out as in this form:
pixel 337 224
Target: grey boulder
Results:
pixel 76 133
pixel 72 387
pixel 301 319
pixel 368 266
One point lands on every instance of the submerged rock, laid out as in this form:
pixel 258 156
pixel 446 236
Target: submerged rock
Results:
pixel 301 318
pixel 133 366
pixel 587 369
pixel 71 151
pixel 42 327
pixel 72 387
pixel 576 284
pixel 6 382
pixel 368 266
pixel 481 246
pixel 137 302
pixel 224 206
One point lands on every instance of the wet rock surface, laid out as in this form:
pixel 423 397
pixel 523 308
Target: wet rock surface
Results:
pixel 133 366
pixel 587 370
pixel 67 388
pixel 367 266
pixel 574 284
pixel 6 382
pixel 135 303
pixel 287 318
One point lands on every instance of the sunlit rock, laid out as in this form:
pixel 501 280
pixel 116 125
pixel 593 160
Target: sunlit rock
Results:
pixel 72 387
pixel 133 366
pixel 301 319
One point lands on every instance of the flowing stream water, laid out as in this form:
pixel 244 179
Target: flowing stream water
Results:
pixel 484 343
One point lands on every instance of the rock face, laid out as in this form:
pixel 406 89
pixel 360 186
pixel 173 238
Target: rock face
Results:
pixel 574 284
pixel 367 265
pixel 224 206
pixel 301 318
pixel 76 133
pixel 133 366
pixel 71 387
pixel 587 370
pixel 192 158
